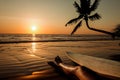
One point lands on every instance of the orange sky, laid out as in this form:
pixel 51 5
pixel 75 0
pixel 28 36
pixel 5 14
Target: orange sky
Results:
pixel 50 16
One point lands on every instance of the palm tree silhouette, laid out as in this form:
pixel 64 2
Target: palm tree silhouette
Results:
pixel 117 30
pixel 85 9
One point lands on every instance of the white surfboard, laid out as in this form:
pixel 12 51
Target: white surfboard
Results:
pixel 99 65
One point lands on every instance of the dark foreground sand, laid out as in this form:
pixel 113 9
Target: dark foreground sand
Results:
pixel 28 61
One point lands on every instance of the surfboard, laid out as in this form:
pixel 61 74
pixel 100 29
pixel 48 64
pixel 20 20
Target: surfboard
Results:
pixel 99 65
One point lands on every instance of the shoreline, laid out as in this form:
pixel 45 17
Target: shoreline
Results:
pixel 6 42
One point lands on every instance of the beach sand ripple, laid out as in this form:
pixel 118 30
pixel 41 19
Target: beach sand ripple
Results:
pixel 26 60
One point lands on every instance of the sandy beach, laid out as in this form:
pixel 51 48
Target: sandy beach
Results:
pixel 28 60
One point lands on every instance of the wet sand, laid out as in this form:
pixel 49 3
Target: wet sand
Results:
pixel 29 60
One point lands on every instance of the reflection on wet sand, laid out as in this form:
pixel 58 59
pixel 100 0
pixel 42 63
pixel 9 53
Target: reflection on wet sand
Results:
pixel 33 47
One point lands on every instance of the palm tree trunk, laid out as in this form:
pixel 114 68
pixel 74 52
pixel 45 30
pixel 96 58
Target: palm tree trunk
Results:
pixel 98 30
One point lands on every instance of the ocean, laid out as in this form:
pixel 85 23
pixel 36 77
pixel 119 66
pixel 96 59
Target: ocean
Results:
pixel 22 38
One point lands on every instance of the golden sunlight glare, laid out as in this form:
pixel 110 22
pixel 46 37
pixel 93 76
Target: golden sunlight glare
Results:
pixel 33 28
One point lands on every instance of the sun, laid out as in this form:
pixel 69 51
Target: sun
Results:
pixel 33 28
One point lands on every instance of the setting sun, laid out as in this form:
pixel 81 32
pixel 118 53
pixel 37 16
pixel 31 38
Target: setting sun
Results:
pixel 33 28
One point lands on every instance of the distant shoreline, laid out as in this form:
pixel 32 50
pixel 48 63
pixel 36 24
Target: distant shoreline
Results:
pixel 56 41
pixel 28 38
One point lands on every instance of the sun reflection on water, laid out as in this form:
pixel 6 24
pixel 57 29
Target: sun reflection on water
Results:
pixel 33 37
pixel 33 46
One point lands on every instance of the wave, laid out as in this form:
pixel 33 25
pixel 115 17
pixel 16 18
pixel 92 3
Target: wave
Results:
pixel 26 38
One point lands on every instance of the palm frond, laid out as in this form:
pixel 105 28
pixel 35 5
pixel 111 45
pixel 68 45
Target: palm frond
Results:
pixel 95 16
pixel 83 3
pixel 88 2
pixel 85 6
pixel 95 5
pixel 76 5
pixel 77 26
pixel 74 20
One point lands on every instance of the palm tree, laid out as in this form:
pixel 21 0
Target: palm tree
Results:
pixel 117 30
pixel 85 9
